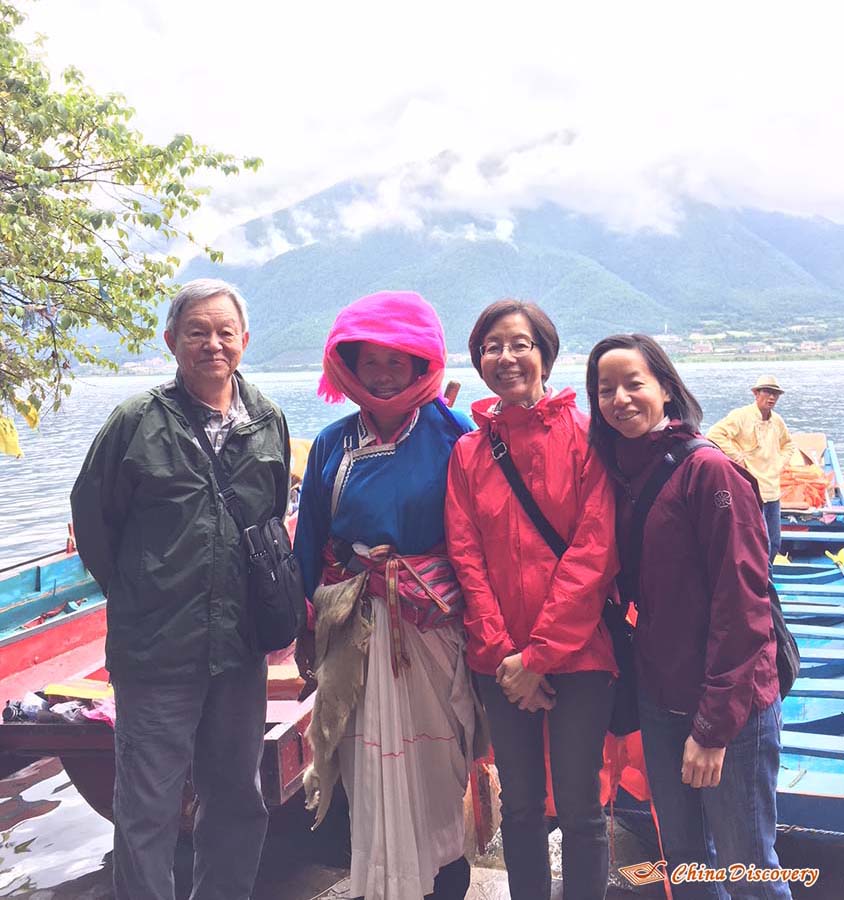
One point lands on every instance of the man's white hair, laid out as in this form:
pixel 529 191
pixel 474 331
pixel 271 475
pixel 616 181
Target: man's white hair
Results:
pixel 202 289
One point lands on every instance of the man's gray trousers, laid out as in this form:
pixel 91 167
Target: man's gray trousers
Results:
pixel 211 728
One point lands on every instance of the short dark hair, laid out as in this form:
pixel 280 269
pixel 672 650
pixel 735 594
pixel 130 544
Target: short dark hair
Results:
pixel 682 404
pixel 544 333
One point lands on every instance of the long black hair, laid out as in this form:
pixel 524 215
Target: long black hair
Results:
pixel 681 405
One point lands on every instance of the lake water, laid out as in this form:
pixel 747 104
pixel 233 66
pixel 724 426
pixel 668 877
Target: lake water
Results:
pixel 34 490
pixel 51 844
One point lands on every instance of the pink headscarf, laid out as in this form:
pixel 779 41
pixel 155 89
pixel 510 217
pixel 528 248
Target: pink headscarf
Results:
pixel 400 320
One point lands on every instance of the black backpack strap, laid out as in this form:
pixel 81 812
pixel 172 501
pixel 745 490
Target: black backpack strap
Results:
pixel 227 494
pixel 642 506
pixel 501 455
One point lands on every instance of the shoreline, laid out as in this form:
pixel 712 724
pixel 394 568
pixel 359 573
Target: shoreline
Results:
pixel 565 359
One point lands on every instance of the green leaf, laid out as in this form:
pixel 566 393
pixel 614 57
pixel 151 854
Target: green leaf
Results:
pixel 62 147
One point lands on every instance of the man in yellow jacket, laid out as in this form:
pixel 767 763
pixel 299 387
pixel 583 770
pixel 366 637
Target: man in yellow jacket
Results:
pixel 756 438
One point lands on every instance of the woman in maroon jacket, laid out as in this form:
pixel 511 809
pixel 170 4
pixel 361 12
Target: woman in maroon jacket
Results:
pixel 705 647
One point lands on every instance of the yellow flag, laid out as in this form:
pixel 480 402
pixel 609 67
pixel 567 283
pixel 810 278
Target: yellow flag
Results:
pixel 9 438
pixel 837 558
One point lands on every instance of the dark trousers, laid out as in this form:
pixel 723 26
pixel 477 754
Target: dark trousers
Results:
pixel 214 728
pixel 576 728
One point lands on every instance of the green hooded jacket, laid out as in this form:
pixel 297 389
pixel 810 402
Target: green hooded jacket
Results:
pixel 152 529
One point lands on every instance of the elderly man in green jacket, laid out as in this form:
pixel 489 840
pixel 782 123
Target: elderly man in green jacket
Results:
pixel 152 529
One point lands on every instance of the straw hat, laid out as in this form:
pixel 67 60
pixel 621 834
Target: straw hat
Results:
pixel 769 382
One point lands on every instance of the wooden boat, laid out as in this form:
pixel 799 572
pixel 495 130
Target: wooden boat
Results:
pixel 54 617
pixel 810 789
pixel 86 749
pixel 52 623
pixel 48 607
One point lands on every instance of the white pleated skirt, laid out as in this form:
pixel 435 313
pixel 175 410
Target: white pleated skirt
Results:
pixel 405 762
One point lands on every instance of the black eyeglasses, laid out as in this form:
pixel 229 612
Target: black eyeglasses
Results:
pixel 516 348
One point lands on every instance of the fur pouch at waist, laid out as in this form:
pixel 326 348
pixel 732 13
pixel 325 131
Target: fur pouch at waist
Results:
pixel 342 638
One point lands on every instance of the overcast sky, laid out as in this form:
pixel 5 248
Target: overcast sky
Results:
pixel 616 109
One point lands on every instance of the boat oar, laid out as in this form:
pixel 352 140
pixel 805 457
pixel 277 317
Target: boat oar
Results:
pixel 452 389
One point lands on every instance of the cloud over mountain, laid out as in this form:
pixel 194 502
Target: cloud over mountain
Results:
pixel 621 111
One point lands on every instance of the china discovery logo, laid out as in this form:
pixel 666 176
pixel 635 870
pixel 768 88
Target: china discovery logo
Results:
pixel 645 872
pixel 685 873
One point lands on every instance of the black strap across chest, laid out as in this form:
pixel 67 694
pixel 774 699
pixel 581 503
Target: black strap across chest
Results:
pixel 668 465
pixel 641 506
pixel 501 454
pixel 226 491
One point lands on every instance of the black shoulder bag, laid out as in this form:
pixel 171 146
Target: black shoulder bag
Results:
pixel 788 655
pixel 276 591
pixel 625 712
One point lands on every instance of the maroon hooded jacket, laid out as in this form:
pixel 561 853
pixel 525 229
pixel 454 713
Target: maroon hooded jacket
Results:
pixel 704 637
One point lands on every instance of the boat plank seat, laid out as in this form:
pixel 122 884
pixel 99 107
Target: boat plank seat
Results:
pixel 285 711
pixel 818 537
pixel 821 654
pixel 821 575
pixel 813 784
pixel 284 681
pixel 810 613
pixel 825 610
pixel 824 632
pixel 78 689
pixel 818 687
pixel 788 592
pixel 830 746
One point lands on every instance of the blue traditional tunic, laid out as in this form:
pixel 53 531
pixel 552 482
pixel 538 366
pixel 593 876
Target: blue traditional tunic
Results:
pixel 405 756
pixel 392 493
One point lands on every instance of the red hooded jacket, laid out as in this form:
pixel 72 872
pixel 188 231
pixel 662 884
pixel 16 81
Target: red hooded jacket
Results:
pixel 519 596
pixel 704 637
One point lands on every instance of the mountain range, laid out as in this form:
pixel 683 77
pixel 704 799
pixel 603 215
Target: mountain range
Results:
pixel 741 269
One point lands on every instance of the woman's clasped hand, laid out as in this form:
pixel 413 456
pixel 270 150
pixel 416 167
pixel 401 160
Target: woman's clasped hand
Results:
pixel 527 690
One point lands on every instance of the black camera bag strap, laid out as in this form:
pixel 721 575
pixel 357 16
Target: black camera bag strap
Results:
pixel 501 454
pixel 224 488
pixel 642 506
pixel 277 590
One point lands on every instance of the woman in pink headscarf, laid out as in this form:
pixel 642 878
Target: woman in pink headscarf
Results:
pixel 394 711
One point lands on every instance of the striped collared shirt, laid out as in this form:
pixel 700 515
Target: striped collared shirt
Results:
pixel 217 425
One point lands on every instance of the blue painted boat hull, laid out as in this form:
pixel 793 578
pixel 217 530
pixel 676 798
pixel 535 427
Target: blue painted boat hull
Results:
pixel 56 585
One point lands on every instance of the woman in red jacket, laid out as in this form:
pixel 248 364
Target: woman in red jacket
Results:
pixel 705 647
pixel 535 633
